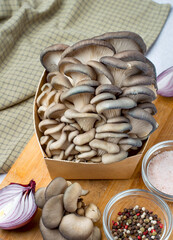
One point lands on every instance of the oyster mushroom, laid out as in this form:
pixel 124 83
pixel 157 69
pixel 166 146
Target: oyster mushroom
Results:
pixel 66 61
pixel 112 108
pixel 143 124
pixel 44 140
pixel 55 187
pixel 50 56
pixel 93 212
pixel 53 211
pixel 60 82
pixel 83 148
pixel 79 227
pixel 84 138
pixel 80 96
pixel 114 127
pixel 128 143
pixel 71 195
pixel 54 131
pixel 50 234
pixel 104 145
pixel 88 82
pixel 104 76
pixel 55 111
pixel 101 97
pixel 96 234
pixel 124 40
pixel 60 142
pixel 138 80
pixel 149 107
pixel 108 158
pixel 85 120
pixel 86 155
pixel 78 72
pixel 40 197
pixel 89 49
pixel 46 98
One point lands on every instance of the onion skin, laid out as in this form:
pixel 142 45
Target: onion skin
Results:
pixel 165 83
pixel 17 205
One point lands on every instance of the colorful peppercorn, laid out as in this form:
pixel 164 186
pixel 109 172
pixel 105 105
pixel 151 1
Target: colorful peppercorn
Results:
pixel 137 223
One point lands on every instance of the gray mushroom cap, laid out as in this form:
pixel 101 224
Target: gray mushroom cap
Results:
pixel 55 187
pixel 50 234
pixel 149 107
pixel 134 41
pixel 40 197
pixel 135 142
pixel 88 82
pixel 131 55
pixel 65 61
pixel 79 227
pixel 121 103
pixel 55 111
pixel 53 211
pixel 46 123
pixel 138 80
pixel 101 97
pixel 114 127
pixel 88 49
pixel 108 88
pixel 108 158
pixel 50 56
pixel 101 69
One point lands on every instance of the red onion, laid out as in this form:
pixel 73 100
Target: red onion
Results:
pixel 165 83
pixel 17 205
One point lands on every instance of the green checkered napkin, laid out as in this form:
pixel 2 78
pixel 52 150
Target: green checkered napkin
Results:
pixel 28 26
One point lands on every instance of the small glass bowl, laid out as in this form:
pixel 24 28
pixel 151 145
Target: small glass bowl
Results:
pixel 142 198
pixel 153 151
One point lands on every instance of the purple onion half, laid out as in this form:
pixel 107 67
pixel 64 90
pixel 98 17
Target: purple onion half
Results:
pixel 165 83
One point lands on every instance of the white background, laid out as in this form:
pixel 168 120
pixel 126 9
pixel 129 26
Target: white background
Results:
pixel 161 54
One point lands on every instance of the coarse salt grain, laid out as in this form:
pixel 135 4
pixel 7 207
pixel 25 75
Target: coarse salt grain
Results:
pixel 160 172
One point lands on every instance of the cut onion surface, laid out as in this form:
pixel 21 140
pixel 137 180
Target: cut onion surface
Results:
pixel 165 83
pixel 17 205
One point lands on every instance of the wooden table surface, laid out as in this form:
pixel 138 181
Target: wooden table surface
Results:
pixel 31 165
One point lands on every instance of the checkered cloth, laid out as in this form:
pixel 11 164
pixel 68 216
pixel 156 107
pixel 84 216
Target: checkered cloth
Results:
pixel 28 26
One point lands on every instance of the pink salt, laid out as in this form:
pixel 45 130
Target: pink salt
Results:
pixel 160 172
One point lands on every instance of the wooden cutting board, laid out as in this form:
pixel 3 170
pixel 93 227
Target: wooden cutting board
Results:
pixel 31 165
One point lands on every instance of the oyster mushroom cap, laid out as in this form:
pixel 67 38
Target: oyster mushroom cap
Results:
pixel 127 143
pixel 85 120
pixel 108 88
pixel 143 124
pixel 88 82
pixel 71 195
pixel 114 127
pixel 93 212
pixel 50 56
pixel 124 40
pixel 72 135
pixel 89 49
pixel 119 119
pixel 87 155
pixel 131 55
pixel 53 211
pixel 103 135
pixel 65 61
pixel 79 227
pixel 72 69
pixel 54 131
pixel 47 150
pixel 121 103
pixel 96 234
pixel 103 74
pixel 138 80
pixel 60 82
pixel 41 112
pixel 46 123
pixel 40 197
pixel 50 234
pixel 101 97
pixel 83 148
pixel 104 145
pixel 66 120
pixel 136 90
pixel 55 111
pixel 84 138
pixel 55 187
pixel 60 142
pixel 149 107
pixel 108 158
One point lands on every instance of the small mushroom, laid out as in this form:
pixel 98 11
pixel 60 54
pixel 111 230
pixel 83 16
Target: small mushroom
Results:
pixel 104 76
pixel 55 187
pixel 96 234
pixel 40 197
pixel 84 138
pixel 71 195
pixel 75 227
pixel 93 212
pixel 104 145
pixel 53 211
pixel 89 49
pixel 50 56
pixel 50 234
pixel 85 120
pixel 108 158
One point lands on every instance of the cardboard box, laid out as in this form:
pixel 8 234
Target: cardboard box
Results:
pixel 72 170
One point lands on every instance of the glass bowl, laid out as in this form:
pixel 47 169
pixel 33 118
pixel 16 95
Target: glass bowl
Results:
pixel 153 151
pixel 142 198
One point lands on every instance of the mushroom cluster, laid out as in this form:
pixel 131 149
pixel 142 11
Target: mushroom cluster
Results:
pixel 96 105
pixel 64 214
